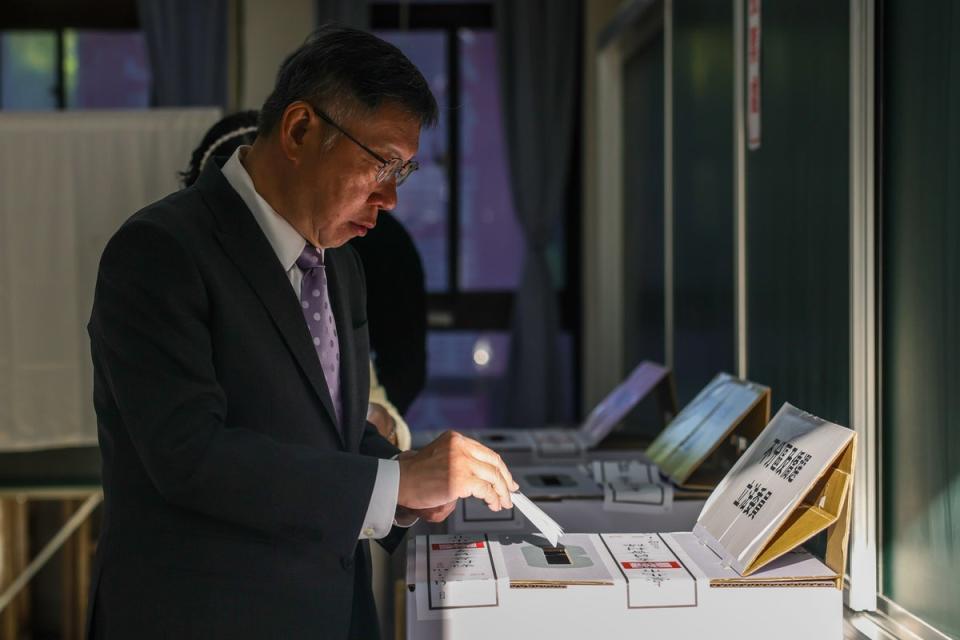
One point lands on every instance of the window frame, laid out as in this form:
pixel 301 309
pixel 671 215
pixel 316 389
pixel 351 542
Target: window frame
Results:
pixel 58 16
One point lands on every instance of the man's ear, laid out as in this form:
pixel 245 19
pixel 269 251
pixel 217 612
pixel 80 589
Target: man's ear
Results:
pixel 294 124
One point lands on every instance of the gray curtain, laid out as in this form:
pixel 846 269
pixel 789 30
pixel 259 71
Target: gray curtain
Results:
pixel 187 45
pixel 537 50
pixel 349 13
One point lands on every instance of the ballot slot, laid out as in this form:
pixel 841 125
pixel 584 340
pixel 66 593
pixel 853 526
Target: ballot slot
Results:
pixel 533 562
pixel 556 481
pixel 556 556
pixel 550 480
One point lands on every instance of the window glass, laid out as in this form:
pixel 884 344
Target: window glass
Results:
pixel 466 373
pixel 28 70
pixel 464 370
pixel 491 245
pixel 423 204
pixel 106 69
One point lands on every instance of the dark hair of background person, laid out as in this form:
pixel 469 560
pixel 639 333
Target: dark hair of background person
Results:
pixel 396 309
pixel 231 132
pixel 348 73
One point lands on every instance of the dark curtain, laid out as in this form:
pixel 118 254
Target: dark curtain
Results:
pixel 187 45
pixel 537 50
pixel 920 395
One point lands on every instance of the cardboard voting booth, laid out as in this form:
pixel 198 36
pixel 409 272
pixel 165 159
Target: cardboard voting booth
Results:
pixel 705 439
pixel 685 461
pixel 794 481
pixel 647 379
pixel 739 574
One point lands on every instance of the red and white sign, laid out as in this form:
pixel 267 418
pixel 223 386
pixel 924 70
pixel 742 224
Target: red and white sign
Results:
pixel 446 546
pixel 753 74
pixel 651 565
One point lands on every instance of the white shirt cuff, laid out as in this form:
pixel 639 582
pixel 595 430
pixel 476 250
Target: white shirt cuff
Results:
pixel 383 502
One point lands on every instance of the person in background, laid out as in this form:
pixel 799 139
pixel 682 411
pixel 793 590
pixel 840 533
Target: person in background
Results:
pixel 223 138
pixel 397 309
pixel 403 342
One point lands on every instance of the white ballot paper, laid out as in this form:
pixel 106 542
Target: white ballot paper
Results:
pixel 544 523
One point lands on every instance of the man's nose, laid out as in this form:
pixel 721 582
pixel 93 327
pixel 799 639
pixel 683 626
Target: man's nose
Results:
pixel 385 195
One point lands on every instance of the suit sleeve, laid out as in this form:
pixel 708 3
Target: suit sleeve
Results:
pixel 151 339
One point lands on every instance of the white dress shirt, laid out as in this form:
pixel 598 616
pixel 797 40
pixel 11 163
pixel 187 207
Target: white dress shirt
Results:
pixel 288 244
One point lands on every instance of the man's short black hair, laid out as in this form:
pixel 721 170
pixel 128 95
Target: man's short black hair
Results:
pixel 343 71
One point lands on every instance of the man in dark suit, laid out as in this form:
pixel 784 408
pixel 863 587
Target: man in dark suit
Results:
pixel 229 340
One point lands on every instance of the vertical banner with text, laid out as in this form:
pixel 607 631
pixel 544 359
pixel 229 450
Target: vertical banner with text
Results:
pixel 753 74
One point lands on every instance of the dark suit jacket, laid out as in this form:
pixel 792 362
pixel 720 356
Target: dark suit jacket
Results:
pixel 232 501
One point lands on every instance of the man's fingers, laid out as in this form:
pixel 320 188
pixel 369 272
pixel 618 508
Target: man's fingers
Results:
pixel 490 457
pixel 483 490
pixel 491 475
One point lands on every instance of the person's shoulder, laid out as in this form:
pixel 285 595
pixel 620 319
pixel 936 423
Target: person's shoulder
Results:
pixel 180 213
pixel 180 220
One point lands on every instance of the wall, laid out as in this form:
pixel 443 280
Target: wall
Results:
pixel 268 31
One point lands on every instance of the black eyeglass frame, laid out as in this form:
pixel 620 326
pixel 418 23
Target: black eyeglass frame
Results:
pixel 395 167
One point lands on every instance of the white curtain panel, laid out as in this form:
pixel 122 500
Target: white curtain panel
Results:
pixel 67 182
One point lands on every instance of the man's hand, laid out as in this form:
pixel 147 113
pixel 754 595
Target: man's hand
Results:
pixel 378 416
pixel 452 467
pixel 406 517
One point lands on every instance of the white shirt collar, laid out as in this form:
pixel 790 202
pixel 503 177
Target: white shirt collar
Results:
pixel 286 241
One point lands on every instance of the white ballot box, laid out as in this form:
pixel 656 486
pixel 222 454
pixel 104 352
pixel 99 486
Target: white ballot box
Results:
pixel 634 585
pixel 740 574
pixel 546 445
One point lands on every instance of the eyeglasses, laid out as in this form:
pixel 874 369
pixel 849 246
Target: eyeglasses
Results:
pixel 394 167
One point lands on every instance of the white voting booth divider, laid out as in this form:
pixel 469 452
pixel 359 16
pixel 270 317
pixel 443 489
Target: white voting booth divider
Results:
pixel 68 180
pixel 739 574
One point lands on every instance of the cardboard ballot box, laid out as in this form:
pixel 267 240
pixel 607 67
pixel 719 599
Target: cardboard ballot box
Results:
pixel 524 445
pixel 740 573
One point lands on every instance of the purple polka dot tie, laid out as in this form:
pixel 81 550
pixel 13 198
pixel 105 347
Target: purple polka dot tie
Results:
pixel 319 316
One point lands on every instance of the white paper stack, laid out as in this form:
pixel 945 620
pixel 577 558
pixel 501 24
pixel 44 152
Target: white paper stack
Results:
pixel 544 523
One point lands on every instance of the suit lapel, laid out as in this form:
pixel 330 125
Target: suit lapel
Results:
pixel 247 247
pixel 337 268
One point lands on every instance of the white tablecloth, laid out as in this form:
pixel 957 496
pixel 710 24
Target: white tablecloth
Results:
pixel 67 181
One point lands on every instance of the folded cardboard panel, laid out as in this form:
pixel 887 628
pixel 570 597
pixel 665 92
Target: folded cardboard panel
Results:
pixel 698 447
pixel 793 482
